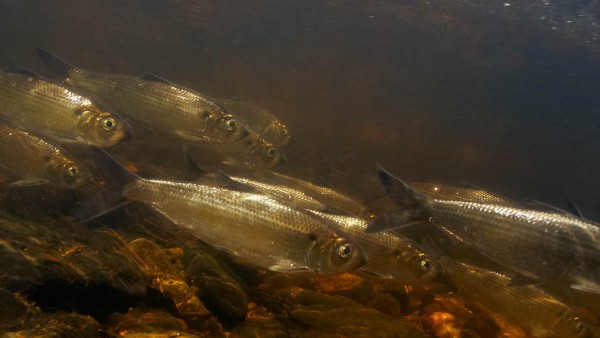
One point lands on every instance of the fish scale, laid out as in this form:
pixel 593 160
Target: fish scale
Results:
pixel 44 107
pixel 30 157
pixel 390 255
pixel 499 232
pixel 155 102
pixel 255 227
pixel 549 247
pixel 528 306
pixel 158 105
pixel 28 95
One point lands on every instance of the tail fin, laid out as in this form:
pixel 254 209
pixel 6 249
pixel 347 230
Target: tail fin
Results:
pixel 398 191
pixel 115 178
pixel 406 197
pixel 54 63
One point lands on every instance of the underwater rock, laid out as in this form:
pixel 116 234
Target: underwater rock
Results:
pixel 144 321
pixel 337 315
pixel 35 252
pixel 15 311
pixel 443 325
pixel 57 325
pixel 260 323
pixel 220 291
pixel 166 278
pixel 387 304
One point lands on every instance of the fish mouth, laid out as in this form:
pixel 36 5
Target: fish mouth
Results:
pixel 128 133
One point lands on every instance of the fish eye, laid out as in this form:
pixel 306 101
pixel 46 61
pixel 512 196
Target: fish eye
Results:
pixel 344 250
pixel 109 124
pixel 271 152
pixel 425 265
pixel 231 124
pixel 73 170
pixel 579 326
pixel 283 132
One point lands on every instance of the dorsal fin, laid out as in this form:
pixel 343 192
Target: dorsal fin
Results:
pixel 575 210
pixel 224 180
pixel 55 64
pixel 155 78
pixel 18 69
pixel 545 207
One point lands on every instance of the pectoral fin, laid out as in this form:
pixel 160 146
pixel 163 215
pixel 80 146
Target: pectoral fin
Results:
pixel 186 136
pixel 288 269
pixel 586 285
pixel 389 222
pixel 288 266
pixel 520 280
pixel 374 274
pixel 65 139
pixel 28 182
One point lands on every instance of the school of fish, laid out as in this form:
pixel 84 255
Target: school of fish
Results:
pixel 281 222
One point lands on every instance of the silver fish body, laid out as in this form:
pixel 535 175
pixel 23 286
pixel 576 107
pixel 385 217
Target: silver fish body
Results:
pixel 327 196
pixel 460 193
pixel 31 158
pixel 527 306
pixel 155 103
pixel 47 108
pixel 285 195
pixel 390 255
pixel 553 248
pixel 543 246
pixel 260 120
pixel 254 227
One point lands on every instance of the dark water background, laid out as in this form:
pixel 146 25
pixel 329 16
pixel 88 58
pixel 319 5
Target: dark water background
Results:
pixel 502 95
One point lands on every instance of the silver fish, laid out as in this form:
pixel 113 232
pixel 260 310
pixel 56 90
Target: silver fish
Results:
pixel 548 247
pixel 28 101
pixel 390 255
pixel 285 195
pixel 250 152
pixel 254 227
pixel 155 102
pixel 467 194
pixel 260 120
pixel 527 306
pixel 327 196
pixel 31 159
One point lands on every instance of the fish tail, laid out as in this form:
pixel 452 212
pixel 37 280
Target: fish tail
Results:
pixel 115 178
pixel 398 191
pixel 409 200
pixel 55 64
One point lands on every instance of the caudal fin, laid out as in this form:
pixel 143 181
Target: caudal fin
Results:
pixel 398 191
pixel 406 197
pixel 55 64
pixel 115 178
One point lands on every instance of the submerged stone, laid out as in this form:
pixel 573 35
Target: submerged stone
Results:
pixel 166 278
pixel 337 315
pixel 260 323
pixel 216 287
pixel 57 325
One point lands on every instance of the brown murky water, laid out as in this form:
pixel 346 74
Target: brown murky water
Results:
pixel 500 95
